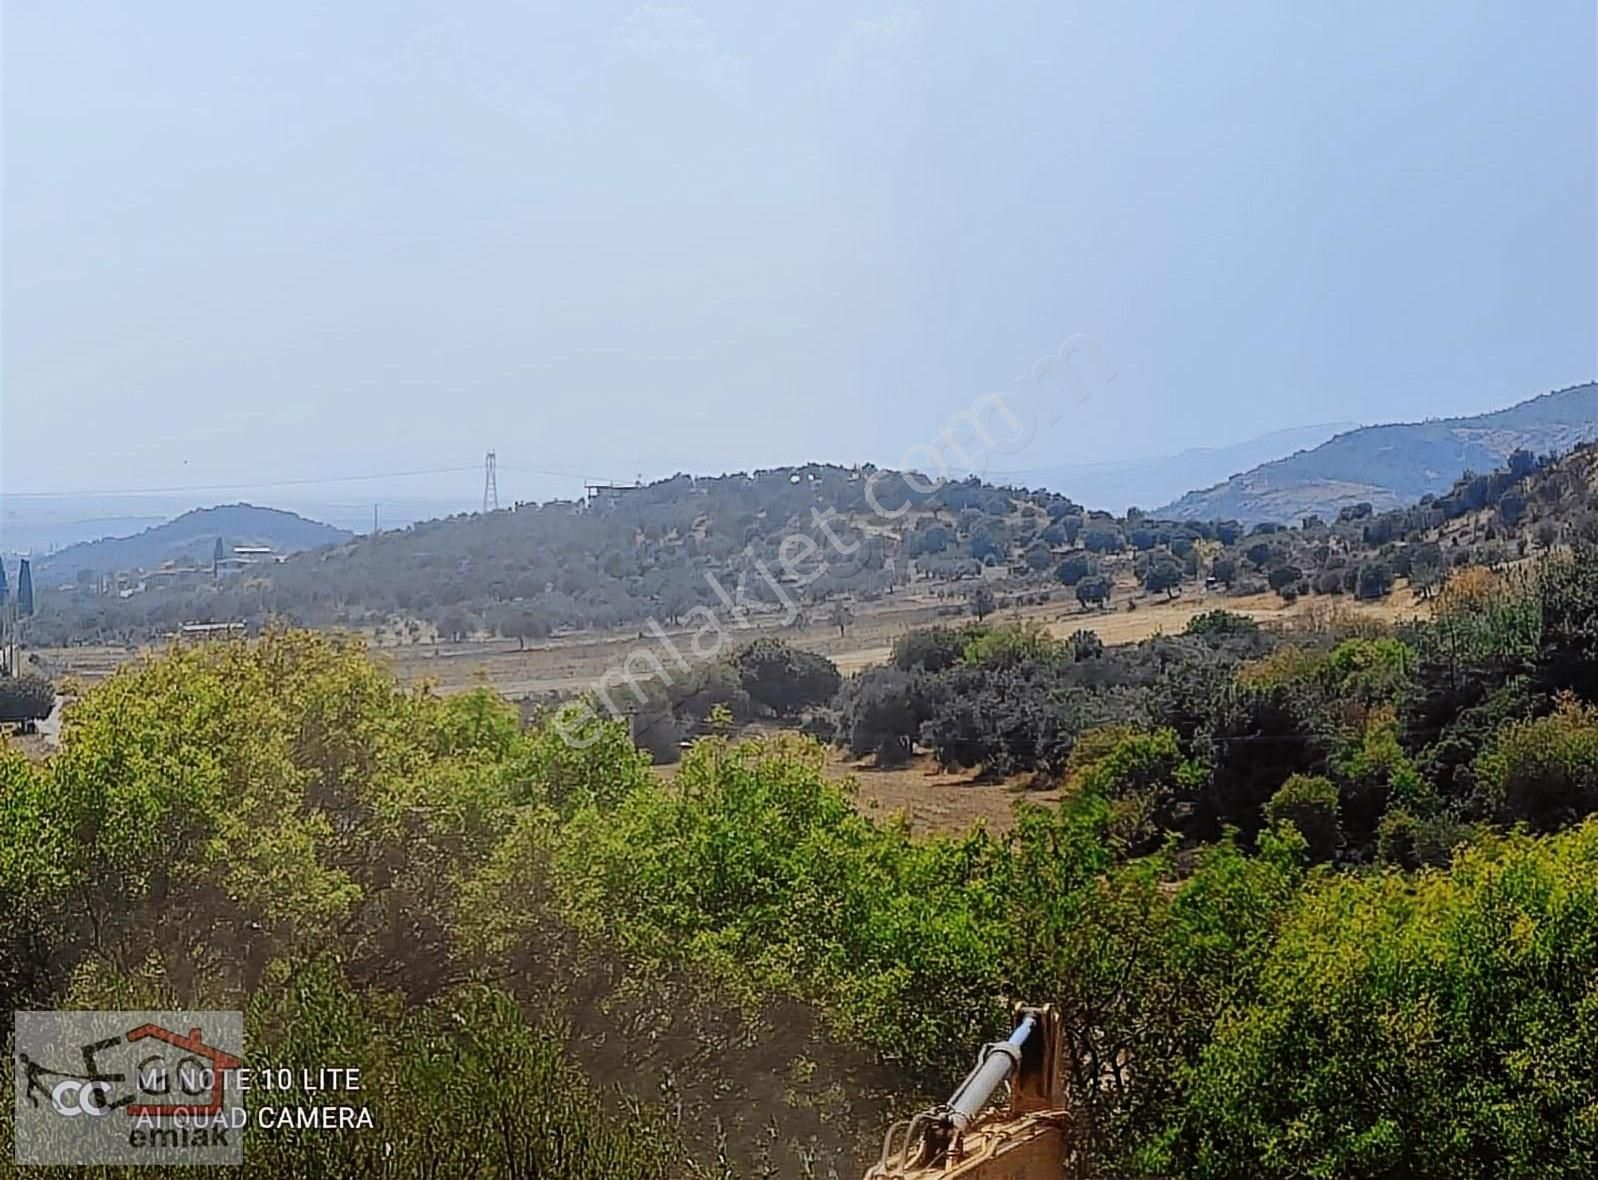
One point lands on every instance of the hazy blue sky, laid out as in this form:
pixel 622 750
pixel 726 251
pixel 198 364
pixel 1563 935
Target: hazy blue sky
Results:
pixel 303 239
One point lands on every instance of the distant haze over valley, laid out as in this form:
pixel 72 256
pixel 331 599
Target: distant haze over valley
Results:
pixel 1117 485
pixel 41 525
pixel 1281 476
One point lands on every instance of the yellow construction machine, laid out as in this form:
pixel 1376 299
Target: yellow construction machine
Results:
pixel 1024 1140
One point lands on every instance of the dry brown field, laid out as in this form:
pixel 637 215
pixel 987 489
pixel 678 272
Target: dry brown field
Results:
pixel 573 663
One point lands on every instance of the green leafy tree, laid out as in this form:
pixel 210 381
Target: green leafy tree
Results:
pixel 1074 568
pixel 1163 573
pixel 1284 578
pixel 521 624
pixel 785 679
pixel 1543 771
pixel 881 711
pixel 1310 804
pixel 1375 580
pixel 1103 538
pixel 1094 591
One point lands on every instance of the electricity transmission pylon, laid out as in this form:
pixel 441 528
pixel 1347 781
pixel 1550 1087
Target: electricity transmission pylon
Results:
pixel 490 485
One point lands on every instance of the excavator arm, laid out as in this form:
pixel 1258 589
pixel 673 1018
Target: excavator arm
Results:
pixel 962 1138
pixel 1031 1147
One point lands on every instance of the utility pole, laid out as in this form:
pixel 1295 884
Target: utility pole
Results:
pixel 374 522
pixel 490 484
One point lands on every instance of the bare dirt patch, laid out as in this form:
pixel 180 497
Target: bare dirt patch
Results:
pixel 935 800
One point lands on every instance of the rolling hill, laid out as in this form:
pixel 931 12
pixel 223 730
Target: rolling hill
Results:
pixel 1387 466
pixel 192 536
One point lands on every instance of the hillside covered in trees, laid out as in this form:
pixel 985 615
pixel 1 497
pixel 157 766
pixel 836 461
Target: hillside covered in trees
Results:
pixel 827 539
pixel 192 538
pixel 1390 466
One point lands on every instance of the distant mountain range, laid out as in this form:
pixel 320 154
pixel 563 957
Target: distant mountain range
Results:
pixel 1388 466
pixel 1121 484
pixel 192 537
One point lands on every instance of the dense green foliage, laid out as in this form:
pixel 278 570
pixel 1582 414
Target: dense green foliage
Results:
pixel 1433 1026
pixel 1009 698
pixel 281 829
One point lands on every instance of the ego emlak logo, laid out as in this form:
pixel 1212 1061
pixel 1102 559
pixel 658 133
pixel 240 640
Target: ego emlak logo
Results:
pixel 127 1087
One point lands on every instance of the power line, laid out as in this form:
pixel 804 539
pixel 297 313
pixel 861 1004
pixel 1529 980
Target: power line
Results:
pixel 233 487
pixel 280 483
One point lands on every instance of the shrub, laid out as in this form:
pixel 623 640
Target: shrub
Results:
pixel 1093 591
pixel 1124 760
pixel 1284 578
pixel 657 733
pixel 880 711
pixel 26 698
pixel 1286 665
pixel 929 649
pixel 1374 580
pixel 1543 771
pixel 1085 645
pixel 1074 568
pixel 1221 623
pixel 1409 841
pixel 1010 643
pixel 1370 671
pixel 1310 804
pixel 1254 739
pixel 785 679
